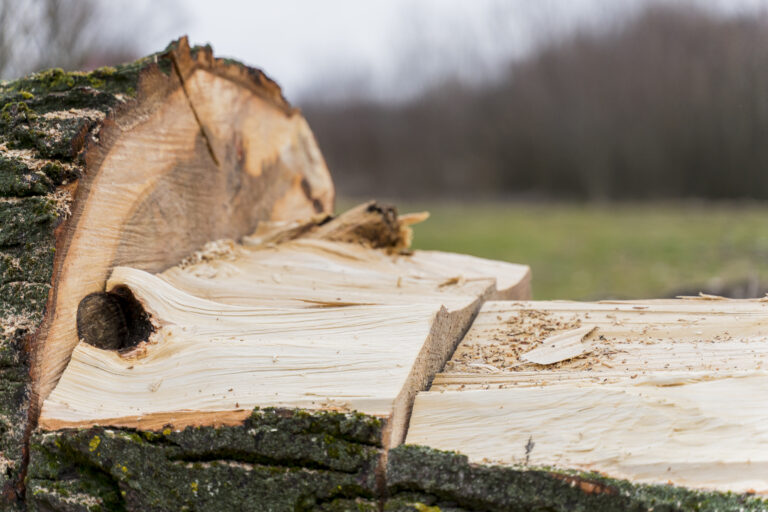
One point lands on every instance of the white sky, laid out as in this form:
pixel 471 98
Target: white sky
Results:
pixel 303 44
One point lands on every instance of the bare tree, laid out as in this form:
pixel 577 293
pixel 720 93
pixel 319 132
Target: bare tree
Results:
pixel 74 34
pixel 670 103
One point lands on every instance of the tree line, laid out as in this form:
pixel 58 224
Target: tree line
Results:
pixel 672 103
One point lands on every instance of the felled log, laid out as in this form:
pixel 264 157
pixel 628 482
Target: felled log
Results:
pixel 187 326
pixel 114 183
pixel 339 329
pixel 140 164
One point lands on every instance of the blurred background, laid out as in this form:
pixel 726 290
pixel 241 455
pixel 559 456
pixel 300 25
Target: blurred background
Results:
pixel 619 148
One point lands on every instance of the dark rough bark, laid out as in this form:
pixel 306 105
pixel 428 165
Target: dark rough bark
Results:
pixel 282 460
pixel 277 460
pixel 419 477
pixel 25 260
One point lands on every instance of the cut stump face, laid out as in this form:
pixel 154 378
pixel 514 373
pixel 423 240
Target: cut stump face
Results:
pixel 207 153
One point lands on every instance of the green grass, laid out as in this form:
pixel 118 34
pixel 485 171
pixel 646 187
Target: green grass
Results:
pixel 613 251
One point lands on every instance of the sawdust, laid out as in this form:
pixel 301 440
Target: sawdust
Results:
pixel 225 249
pixel 524 331
pixel 75 113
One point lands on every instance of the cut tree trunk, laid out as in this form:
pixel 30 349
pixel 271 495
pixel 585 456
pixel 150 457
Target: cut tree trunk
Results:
pixel 142 165
pixel 186 326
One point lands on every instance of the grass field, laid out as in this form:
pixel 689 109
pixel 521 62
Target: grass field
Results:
pixel 613 251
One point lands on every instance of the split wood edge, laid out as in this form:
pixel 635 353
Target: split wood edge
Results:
pixel 366 325
pixel 664 391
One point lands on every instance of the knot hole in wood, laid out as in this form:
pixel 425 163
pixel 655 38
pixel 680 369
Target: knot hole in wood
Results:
pixel 113 320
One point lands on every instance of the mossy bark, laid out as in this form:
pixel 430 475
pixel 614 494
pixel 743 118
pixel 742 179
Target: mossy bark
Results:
pixel 276 460
pixel 421 479
pixel 26 254
pixel 288 460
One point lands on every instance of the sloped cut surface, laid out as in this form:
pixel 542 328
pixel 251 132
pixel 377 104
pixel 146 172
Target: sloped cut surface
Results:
pixel 310 323
pixel 665 391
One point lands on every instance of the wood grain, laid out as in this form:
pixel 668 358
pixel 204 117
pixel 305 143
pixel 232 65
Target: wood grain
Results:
pixel 667 391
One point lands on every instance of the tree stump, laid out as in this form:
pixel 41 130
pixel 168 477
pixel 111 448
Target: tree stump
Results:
pixel 187 326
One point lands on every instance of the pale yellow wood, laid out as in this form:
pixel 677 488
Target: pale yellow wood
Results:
pixel 632 340
pixel 704 434
pixel 307 323
pixel 315 272
pixel 668 391
pixel 155 191
pixel 561 347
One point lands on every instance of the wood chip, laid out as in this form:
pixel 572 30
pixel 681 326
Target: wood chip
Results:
pixel 561 347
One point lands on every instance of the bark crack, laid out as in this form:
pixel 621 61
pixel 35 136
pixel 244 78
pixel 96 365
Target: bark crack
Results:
pixel 256 460
pixel 194 111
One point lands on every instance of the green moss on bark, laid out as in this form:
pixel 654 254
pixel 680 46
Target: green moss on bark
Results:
pixel 109 79
pixel 26 259
pixel 27 221
pixel 276 460
pixel 54 111
pixel 26 265
pixel 17 179
pixel 33 177
pixel 419 502
pixel 323 440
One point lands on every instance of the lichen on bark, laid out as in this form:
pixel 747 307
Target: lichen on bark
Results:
pixel 26 261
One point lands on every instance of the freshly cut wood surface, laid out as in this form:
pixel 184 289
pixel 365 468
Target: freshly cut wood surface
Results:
pixel 208 152
pixel 632 340
pixel 667 391
pixel 312 273
pixel 560 347
pixel 306 323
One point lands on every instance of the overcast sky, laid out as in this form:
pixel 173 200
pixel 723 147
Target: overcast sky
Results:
pixel 304 44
